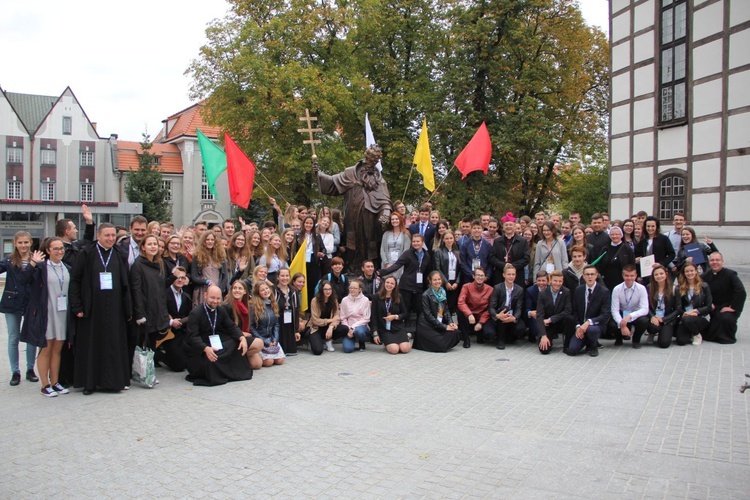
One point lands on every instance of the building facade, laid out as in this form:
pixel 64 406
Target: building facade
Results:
pixel 680 115
pixel 54 162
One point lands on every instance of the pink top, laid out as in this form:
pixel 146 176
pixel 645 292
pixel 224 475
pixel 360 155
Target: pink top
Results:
pixel 355 312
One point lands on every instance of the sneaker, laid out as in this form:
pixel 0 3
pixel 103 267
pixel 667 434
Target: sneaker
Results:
pixel 362 346
pixel 650 338
pixel 48 392
pixel 126 388
pixel 60 389
pixel 594 352
pixel 15 379
pixel 329 346
pixel 31 376
pixel 698 339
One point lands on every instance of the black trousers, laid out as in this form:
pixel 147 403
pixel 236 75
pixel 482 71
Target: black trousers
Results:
pixel 413 302
pixel 689 326
pixel 508 333
pixel 665 334
pixel 639 325
pixel 564 327
pixel 488 331
pixel 318 338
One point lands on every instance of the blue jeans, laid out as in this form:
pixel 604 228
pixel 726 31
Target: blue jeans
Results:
pixel 14 335
pixel 360 335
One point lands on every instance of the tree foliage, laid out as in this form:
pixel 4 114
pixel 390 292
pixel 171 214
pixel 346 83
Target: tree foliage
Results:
pixel 531 69
pixel 145 185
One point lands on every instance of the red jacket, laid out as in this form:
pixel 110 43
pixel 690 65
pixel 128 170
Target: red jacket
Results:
pixel 476 301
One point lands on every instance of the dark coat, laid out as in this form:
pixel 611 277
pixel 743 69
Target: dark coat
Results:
pixel 468 252
pixel 378 312
pixel 182 313
pixel 558 311
pixel 149 295
pixel 610 266
pixel 599 310
pixel 519 256
pixel 440 261
pixel 671 310
pixel 429 233
pixel 701 301
pixel 15 295
pixel 430 310
pixel 410 262
pixel 726 289
pixel 498 299
pixel 34 329
pixel 661 249
pixel 72 248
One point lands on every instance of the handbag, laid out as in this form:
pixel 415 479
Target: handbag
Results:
pixel 144 370
pixel 271 349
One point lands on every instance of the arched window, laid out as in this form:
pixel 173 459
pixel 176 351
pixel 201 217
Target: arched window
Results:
pixel 671 196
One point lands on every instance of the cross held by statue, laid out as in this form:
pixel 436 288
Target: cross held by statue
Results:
pixel 309 130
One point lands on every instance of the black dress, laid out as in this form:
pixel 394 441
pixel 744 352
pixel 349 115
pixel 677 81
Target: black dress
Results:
pixel 432 334
pixel 610 266
pixel 288 302
pixel 380 309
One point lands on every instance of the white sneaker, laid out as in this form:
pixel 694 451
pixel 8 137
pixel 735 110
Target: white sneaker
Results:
pixel 329 346
pixel 698 339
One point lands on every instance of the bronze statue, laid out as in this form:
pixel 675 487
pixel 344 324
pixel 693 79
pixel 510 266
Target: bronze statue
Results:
pixel 367 206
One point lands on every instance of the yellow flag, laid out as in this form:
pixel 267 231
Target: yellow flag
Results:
pixel 299 266
pixel 423 160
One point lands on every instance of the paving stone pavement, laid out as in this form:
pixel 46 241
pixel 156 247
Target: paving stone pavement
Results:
pixel 472 423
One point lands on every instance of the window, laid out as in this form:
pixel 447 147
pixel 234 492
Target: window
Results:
pixel 67 125
pixel 14 190
pixel 167 186
pixel 49 157
pixel 157 161
pixel 671 196
pixel 48 191
pixel 15 155
pixel 87 191
pixel 87 158
pixel 673 49
pixel 205 192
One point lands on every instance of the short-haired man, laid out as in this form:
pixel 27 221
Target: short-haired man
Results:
pixel 510 248
pixel 200 228
pixel 474 310
pixel 554 313
pixel 574 217
pixel 606 221
pixel 165 230
pixel 555 218
pixel 506 308
pixel 465 231
pixel 370 280
pixel 540 218
pixel 532 300
pixel 424 227
pixel 629 308
pixel 491 233
pixel 573 274
pixel 130 245
pixel 591 313
pixel 179 304
pixel 66 230
pixel 599 239
pixel 566 231
pixel 728 297
pixel 675 236
pixel 215 348
pixel 475 253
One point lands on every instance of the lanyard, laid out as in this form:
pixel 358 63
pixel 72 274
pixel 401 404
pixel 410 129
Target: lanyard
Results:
pixel 509 292
pixel 388 307
pixel 60 277
pixel 477 250
pixel 216 317
pixel 451 261
pixel 627 300
pixel 660 302
pixel 105 264
pixel 420 256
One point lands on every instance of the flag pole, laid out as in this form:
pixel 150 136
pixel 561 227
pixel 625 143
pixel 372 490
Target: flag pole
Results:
pixel 441 183
pixel 272 184
pixel 407 182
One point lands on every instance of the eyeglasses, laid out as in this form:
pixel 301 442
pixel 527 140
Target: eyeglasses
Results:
pixel 589 274
pixel 57 249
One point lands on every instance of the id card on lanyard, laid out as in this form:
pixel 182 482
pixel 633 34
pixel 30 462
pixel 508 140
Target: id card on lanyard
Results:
pixel 388 313
pixel 420 278
pixel 105 278
pixel 213 339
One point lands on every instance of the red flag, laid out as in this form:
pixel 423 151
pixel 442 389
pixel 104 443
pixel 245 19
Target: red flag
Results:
pixel 241 173
pixel 477 154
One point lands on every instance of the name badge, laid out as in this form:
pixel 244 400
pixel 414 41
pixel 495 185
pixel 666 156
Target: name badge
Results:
pixel 215 341
pixel 287 316
pixel 440 318
pixel 475 263
pixel 308 257
pixel 451 274
pixel 510 311
pixel 62 303
pixel 393 257
pixel 419 278
pixel 550 267
pixel 660 313
pixel 689 307
pixel 626 313
pixel 388 325
pixel 105 281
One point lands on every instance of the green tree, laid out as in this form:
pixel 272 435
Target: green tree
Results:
pixel 145 185
pixel 584 189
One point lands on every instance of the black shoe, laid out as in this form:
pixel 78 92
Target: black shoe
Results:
pixel 362 346
pixel 501 345
pixel 31 376
pixel 467 343
pixel 618 341
pixel 594 352
pixel 88 392
pixel 636 345
pixel 480 339
pixel 15 379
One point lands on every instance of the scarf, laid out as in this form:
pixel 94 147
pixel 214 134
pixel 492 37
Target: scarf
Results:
pixel 577 272
pixel 243 313
pixel 439 294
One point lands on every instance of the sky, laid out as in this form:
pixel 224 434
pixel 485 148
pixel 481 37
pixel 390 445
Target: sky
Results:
pixel 125 61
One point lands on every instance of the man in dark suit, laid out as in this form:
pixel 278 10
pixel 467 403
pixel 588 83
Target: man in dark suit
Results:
pixel 554 313
pixel 179 305
pixel 506 307
pixel 510 248
pixel 424 227
pixel 129 244
pixel 591 312
pixel 475 253
pixel 728 295
pixel 532 299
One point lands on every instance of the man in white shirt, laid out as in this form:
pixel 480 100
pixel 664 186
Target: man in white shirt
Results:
pixel 629 308
pixel 129 245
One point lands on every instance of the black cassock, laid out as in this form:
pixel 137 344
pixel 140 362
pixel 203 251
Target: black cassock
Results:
pixel 101 345
pixel 231 365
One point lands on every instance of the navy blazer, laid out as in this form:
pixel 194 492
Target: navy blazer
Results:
pixel 429 233
pixel 410 262
pixel 556 312
pixel 599 310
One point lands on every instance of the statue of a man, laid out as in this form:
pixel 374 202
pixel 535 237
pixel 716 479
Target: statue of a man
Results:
pixel 367 205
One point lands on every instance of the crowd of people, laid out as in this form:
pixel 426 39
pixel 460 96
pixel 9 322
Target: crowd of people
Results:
pixel 221 301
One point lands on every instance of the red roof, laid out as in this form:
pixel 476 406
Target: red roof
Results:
pixel 185 122
pixel 170 158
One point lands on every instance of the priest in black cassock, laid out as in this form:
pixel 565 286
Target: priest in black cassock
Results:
pixel 728 295
pixel 215 346
pixel 100 300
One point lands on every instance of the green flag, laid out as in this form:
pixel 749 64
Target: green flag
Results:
pixel 214 161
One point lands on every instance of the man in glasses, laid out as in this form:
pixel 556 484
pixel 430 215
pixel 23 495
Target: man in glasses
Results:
pixel 179 304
